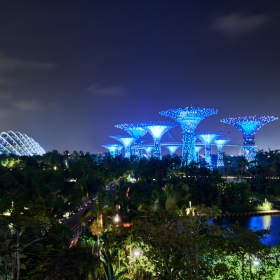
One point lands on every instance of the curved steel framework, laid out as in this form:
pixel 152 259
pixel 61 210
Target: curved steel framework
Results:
pixel 188 118
pixel 172 147
pixel 208 138
pixel 248 126
pixel 114 149
pixel 157 129
pixel 19 144
pixel 220 144
pixel 126 141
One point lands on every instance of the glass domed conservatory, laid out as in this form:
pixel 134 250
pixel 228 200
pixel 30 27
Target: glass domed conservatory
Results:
pixel 19 144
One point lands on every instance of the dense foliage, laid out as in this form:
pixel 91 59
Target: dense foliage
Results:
pixel 163 208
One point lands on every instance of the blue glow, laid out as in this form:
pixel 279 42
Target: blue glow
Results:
pixel 172 148
pixel 220 144
pixel 148 149
pixel 114 149
pixel 188 118
pixel 197 149
pixel 156 129
pixel 126 141
pixel 208 139
pixel 248 126
pixel 135 131
pixel 249 152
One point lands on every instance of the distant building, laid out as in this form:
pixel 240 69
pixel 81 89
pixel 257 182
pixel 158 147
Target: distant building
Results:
pixel 19 144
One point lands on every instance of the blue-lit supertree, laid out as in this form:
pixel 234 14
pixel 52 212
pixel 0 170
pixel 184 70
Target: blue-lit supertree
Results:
pixel 188 118
pixel 248 126
pixel 156 129
pixel 197 149
pixel 135 131
pixel 126 141
pixel 220 144
pixel 208 138
pixel 114 149
pixel 148 149
pixel 172 147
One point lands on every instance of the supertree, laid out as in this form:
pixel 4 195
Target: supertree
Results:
pixel 220 144
pixel 135 131
pixel 248 126
pixel 148 149
pixel 188 118
pixel 208 138
pixel 157 129
pixel 126 141
pixel 197 149
pixel 172 147
pixel 114 149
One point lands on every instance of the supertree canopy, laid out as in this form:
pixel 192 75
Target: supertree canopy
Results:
pixel 114 149
pixel 172 147
pixel 157 129
pixel 188 118
pixel 220 144
pixel 135 131
pixel 126 141
pixel 248 126
pixel 19 144
pixel 208 138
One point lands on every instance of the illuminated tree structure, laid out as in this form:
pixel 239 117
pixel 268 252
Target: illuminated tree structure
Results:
pixel 220 144
pixel 157 129
pixel 197 149
pixel 114 149
pixel 188 118
pixel 148 149
pixel 208 138
pixel 248 126
pixel 126 141
pixel 135 131
pixel 172 147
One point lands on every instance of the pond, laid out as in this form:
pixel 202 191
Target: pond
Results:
pixel 256 223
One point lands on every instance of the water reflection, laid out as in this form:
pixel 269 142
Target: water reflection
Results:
pixel 256 223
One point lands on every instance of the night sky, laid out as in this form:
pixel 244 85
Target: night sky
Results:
pixel 71 70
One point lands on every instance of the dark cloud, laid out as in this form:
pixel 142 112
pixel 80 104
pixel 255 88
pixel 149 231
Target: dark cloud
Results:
pixel 239 23
pixel 106 91
pixel 5 95
pixel 5 113
pixel 28 105
pixel 11 63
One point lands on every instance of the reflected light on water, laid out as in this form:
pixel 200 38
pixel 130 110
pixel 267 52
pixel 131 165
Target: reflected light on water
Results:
pixel 259 222
pixel 271 222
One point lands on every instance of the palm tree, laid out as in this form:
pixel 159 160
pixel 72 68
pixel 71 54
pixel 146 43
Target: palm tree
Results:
pixel 175 194
pixel 103 210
